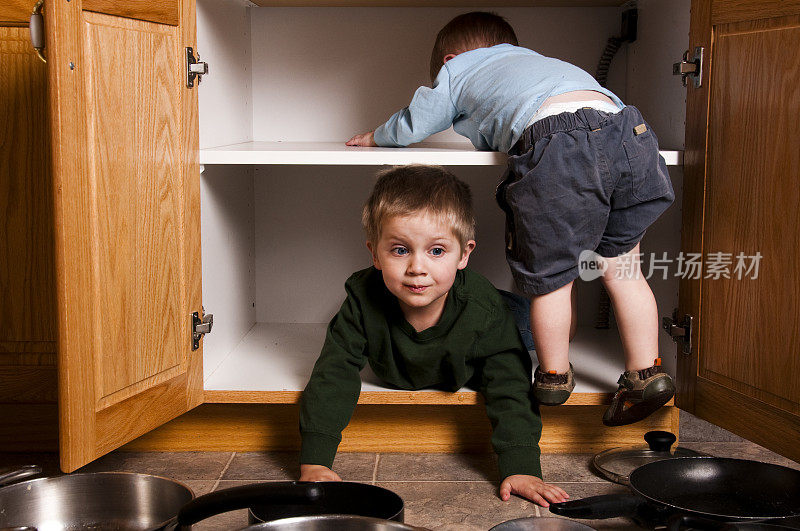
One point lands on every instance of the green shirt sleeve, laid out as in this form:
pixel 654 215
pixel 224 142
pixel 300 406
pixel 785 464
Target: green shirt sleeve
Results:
pixel 505 382
pixel 332 391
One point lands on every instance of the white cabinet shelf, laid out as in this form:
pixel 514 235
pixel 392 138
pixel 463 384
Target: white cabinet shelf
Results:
pixel 336 153
pixel 273 362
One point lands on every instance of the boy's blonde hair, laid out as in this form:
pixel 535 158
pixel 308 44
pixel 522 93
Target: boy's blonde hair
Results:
pixel 478 29
pixel 405 190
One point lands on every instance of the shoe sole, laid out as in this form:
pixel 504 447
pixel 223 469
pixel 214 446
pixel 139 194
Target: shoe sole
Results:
pixel 559 398
pixel 642 410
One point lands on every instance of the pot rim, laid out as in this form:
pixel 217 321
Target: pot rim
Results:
pixel 104 473
pixel 331 516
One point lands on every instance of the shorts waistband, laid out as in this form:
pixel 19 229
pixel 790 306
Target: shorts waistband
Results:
pixel 571 106
pixel 585 118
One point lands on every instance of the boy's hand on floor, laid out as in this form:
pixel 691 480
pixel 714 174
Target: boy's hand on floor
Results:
pixel 317 473
pixel 367 139
pixel 532 488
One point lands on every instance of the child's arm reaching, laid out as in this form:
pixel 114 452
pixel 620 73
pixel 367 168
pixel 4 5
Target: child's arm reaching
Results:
pixel 505 382
pixel 332 391
pixel 430 111
pixel 532 488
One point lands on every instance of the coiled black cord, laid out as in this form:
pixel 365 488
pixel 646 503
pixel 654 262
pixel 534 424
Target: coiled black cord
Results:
pixel 609 52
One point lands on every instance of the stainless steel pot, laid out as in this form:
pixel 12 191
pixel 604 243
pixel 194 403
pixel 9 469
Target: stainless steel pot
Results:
pixel 332 522
pixel 123 501
pixel 538 523
pixel 104 500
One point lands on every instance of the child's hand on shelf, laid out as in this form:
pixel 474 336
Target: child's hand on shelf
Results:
pixel 532 488
pixel 317 473
pixel 367 139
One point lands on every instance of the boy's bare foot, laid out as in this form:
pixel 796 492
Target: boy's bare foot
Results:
pixel 317 473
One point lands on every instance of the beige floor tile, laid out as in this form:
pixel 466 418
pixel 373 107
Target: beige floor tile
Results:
pixel 695 429
pixel 557 468
pixel 199 486
pixel 176 465
pixel 741 450
pixel 468 506
pixel 260 466
pixel 437 467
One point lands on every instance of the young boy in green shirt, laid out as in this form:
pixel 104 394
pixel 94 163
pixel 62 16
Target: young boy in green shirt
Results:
pixel 422 320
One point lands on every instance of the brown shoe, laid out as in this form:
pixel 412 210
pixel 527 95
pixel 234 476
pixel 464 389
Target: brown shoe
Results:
pixel 551 388
pixel 640 393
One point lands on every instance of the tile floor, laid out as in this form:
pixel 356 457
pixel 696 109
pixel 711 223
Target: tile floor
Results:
pixel 441 492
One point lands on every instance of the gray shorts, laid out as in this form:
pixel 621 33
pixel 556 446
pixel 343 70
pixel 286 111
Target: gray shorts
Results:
pixel 587 180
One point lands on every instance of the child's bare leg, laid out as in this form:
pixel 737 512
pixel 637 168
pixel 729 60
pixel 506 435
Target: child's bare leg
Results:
pixel 635 309
pixel 551 324
pixel 643 387
pixel 573 326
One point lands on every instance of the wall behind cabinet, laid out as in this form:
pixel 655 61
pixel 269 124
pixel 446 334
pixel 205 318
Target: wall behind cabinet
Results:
pixel 323 74
pixel 650 86
pixel 225 99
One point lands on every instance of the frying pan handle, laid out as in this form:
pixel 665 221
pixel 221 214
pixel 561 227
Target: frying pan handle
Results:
pixel 12 476
pixel 222 501
pixel 678 523
pixel 598 507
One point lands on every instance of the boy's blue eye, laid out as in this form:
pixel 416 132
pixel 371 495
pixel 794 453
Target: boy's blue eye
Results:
pixel 437 251
pixel 400 251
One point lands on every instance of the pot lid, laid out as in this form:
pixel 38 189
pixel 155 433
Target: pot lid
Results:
pixel 616 464
pixel 538 523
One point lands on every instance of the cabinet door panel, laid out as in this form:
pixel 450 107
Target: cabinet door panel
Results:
pixel 127 224
pixel 742 178
pixel 151 10
pixel 751 206
pixel 14 12
pixel 134 179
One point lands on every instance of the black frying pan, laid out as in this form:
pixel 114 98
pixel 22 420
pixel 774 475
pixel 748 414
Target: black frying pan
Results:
pixel 733 490
pixel 335 497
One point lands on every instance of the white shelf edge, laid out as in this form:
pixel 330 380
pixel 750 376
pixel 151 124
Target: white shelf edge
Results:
pixel 280 356
pixel 336 153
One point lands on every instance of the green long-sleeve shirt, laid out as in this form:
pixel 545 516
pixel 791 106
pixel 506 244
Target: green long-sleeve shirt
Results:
pixel 475 343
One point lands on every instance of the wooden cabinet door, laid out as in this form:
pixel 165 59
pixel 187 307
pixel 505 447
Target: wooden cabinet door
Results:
pixel 741 195
pixel 127 208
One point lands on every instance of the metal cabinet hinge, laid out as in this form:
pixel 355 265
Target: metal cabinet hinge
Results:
pixel 201 327
pixel 679 330
pixel 195 69
pixel 690 67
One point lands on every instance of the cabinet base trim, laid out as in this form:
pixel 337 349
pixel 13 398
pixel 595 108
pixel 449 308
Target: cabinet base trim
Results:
pixel 390 428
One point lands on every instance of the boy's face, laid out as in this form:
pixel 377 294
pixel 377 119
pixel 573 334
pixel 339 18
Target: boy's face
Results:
pixel 419 255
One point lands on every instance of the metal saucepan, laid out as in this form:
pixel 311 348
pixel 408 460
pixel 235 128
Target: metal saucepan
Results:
pixel 332 522
pixel 125 501
pixel 538 523
pixel 711 488
pixel 117 500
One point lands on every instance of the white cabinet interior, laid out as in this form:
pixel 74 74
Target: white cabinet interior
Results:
pixel 281 195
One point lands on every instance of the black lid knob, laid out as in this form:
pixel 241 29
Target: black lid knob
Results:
pixel 660 441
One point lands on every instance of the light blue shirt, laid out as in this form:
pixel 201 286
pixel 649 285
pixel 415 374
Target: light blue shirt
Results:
pixel 488 95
